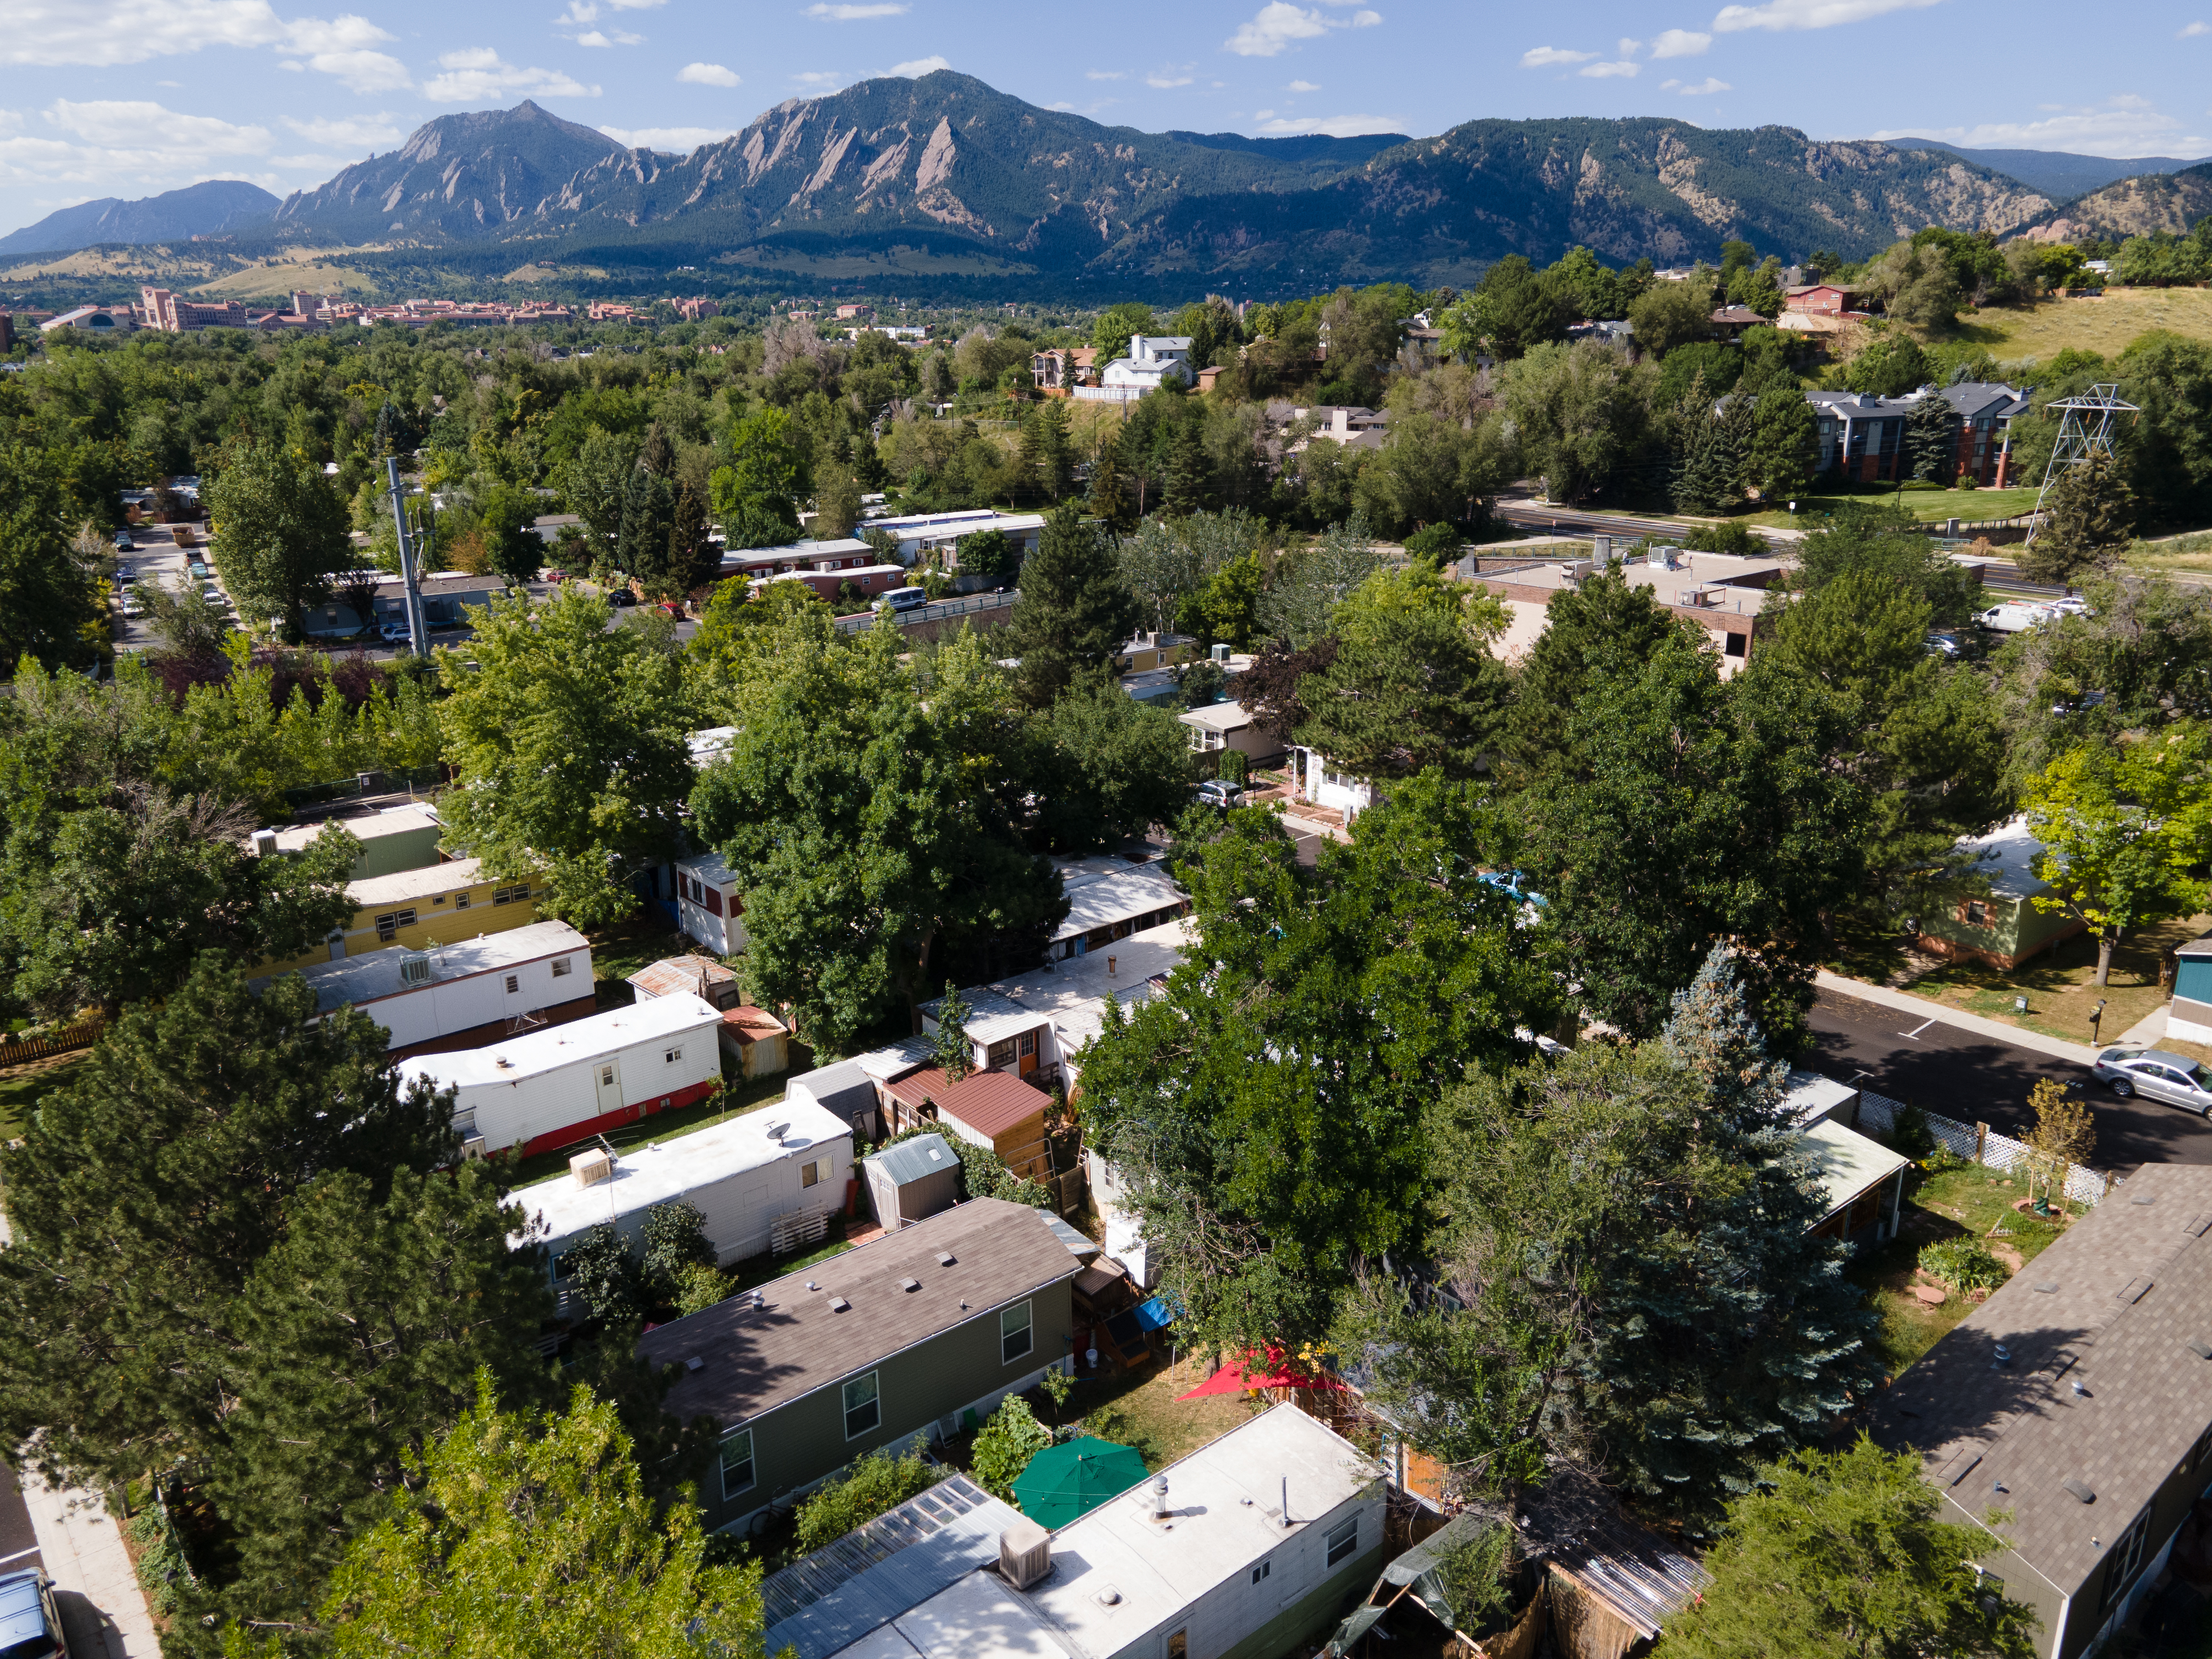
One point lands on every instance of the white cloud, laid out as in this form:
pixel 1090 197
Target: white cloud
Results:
pixel 341 47
pixel 354 132
pixel 820 77
pixel 1627 48
pixel 1366 20
pixel 1552 57
pixel 154 126
pixel 1170 76
pixel 1063 106
pixel 478 74
pixel 1302 86
pixel 601 37
pixel 636 5
pixel 579 11
pixel 683 140
pixel 1335 126
pixel 2123 126
pixel 1105 75
pixel 1809 14
pixel 1276 24
pixel 1621 70
pixel 1680 43
pixel 2194 30
pixel 920 66
pixel 74 151
pixel 1711 83
pixel 850 14
pixel 108 33
pixel 708 74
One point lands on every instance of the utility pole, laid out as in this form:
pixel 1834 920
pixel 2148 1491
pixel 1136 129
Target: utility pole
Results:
pixel 418 640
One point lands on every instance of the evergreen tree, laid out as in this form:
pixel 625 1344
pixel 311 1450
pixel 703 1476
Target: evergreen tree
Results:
pixel 2092 517
pixel 659 455
pixel 1055 454
pixel 387 429
pixel 1075 611
pixel 1931 439
pixel 1783 445
pixel 1028 457
pixel 693 561
pixel 1705 469
pixel 648 521
pixel 1105 499
pixel 951 1047
pixel 1190 475
pixel 1604 624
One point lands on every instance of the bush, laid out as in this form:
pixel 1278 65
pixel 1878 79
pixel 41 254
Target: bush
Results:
pixel 699 1286
pixel 1233 768
pixel 1005 1444
pixel 876 1483
pixel 1437 543
pixel 1728 538
pixel 1910 1134
pixel 604 1275
pixel 1475 1577
pixel 1963 1265
pixel 675 1240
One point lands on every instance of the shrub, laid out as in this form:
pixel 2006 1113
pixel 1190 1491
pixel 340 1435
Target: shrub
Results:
pixel 699 1286
pixel 1233 766
pixel 1963 1265
pixel 1910 1134
pixel 675 1239
pixel 1437 543
pixel 1475 1577
pixel 876 1483
pixel 1005 1444
pixel 604 1275
pixel 1726 538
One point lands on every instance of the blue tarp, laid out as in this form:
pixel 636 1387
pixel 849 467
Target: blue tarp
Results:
pixel 1155 1315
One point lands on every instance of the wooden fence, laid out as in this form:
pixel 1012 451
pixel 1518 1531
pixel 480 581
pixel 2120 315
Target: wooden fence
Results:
pixel 16 1050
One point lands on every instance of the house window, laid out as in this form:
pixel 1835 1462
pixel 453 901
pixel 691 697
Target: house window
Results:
pixel 673 1055
pixel 811 1175
pixel 606 1077
pixel 864 1408
pixel 1028 1044
pixel 510 895
pixel 1261 1571
pixel 999 1054
pixel 563 966
pixel 1179 1645
pixel 464 1121
pixel 1977 914
pixel 737 1462
pixel 1016 1334
pixel 1343 1540
pixel 461 901
pixel 2125 1561
pixel 386 925
pixel 1736 645
pixel 513 983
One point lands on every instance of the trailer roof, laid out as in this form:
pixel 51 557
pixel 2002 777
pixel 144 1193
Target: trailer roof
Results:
pixel 548 1050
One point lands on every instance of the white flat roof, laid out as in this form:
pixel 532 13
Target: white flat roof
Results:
pixel 1218 717
pixel 1072 993
pixel 403 885
pixel 666 1170
pixel 1102 901
pixel 1846 1162
pixel 2007 856
pixel 710 867
pixel 1812 1096
pixel 391 821
pixel 535 1053
pixel 365 979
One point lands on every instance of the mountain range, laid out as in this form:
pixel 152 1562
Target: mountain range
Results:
pixel 2060 174
pixel 909 182
pixel 2133 207
pixel 204 210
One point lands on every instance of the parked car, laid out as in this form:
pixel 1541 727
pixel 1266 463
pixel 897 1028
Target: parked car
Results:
pixel 392 633
pixel 621 597
pixel 2014 617
pixel 123 544
pixel 1219 792
pixel 198 571
pixel 1943 645
pixel 902 599
pixel 2072 605
pixel 2174 1079
pixel 131 608
pixel 30 1624
pixel 2086 700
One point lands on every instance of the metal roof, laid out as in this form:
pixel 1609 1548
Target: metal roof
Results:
pixel 914 1160
pixel 535 1053
pixel 1845 1162
pixel 832 1598
pixel 1577 1526
pixel 370 978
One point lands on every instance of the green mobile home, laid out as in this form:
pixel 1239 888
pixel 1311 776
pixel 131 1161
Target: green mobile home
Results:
pixel 2005 929
pixel 892 1343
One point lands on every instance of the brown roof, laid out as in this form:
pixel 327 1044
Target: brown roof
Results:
pixel 2098 1385
pixel 795 1343
pixel 752 1024
pixel 673 975
pixel 1732 315
pixel 989 1103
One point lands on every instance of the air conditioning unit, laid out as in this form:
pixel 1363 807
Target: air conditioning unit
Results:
pixel 593 1167
pixel 1024 1553
pixel 265 843
pixel 473 1147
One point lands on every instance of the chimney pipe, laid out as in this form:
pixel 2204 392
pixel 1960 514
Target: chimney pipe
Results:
pixel 1286 1500
pixel 1109 967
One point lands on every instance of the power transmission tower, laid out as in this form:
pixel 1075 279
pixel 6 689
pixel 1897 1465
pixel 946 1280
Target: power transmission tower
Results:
pixel 2086 427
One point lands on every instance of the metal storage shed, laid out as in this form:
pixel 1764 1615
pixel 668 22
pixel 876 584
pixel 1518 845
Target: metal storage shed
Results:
pixel 913 1179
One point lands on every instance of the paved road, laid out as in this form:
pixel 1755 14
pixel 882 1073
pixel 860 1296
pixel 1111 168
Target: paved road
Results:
pixel 1969 1077
pixel 19 1539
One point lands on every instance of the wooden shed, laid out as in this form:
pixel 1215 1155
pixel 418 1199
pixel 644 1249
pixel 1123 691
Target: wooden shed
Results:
pixel 912 1180
pixel 995 1110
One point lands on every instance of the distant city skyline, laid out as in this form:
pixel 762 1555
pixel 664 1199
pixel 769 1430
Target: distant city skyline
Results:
pixel 127 98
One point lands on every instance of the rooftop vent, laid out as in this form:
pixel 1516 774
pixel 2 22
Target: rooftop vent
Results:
pixel 1024 1553
pixel 2144 1197
pixel 1109 1597
pixel 2201 1349
pixel 2133 1291
pixel 694 1362
pixel 2080 1491
pixel 2047 1286
pixel 946 1258
pixel 2196 1224
pixel 838 1305
pixel 502 1062
pixel 1160 1509
pixel 590 1168
pixel 909 1286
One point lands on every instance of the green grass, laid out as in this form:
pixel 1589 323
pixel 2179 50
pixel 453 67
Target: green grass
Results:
pixel 760 1269
pixel 1928 505
pixel 1964 1201
pixel 21 1088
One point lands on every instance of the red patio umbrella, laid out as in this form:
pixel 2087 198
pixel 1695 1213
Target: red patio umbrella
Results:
pixel 1274 1371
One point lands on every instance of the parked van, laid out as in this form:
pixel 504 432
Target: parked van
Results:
pixel 904 598
pixel 2014 617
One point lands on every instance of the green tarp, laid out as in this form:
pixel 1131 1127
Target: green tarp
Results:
pixel 1074 1478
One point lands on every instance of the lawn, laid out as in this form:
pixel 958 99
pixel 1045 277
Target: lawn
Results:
pixel 21 1085
pixel 2058 983
pixel 1962 1201
pixel 1928 505
pixel 2107 325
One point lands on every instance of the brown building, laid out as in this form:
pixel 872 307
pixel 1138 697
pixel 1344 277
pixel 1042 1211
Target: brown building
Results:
pixel 1724 595
pixel 995 1110
pixel 2079 1398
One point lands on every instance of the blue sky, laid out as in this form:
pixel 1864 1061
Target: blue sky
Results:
pixel 130 97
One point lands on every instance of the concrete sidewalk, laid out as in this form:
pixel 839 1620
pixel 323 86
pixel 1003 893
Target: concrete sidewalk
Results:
pixel 103 1609
pixel 1922 1008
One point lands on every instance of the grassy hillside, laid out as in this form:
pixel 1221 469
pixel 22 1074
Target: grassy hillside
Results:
pixel 2105 325
pixel 2135 207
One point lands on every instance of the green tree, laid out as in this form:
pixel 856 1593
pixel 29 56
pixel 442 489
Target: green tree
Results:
pixel 1783 445
pixel 836 501
pixel 592 482
pixel 1931 439
pixel 1108 768
pixel 1075 612
pixel 1509 310
pixel 513 548
pixel 1224 611
pixel 1582 413
pixel 1845 1555
pixel 951 1047
pixel 1671 315
pixel 146 1189
pixel 877 832
pixel 648 524
pixel 49 597
pixel 1890 365
pixel 1603 626
pixel 2123 829
pixel 1412 684
pixel 2093 514
pixel 568 736
pixel 674 1241
pixel 1627 1282
pixel 989 553
pixel 757 495
pixel 1265 1110
pixel 1005 1445
pixel 280 533
pixel 1111 333
pixel 535 1535
pixel 694 561
pixel 1055 455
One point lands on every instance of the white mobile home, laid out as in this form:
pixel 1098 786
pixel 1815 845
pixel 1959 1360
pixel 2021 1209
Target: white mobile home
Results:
pixel 568 1083
pixel 708 903
pixel 464 995
pixel 746 1176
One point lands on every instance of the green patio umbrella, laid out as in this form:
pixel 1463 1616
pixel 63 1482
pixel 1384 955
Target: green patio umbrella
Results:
pixel 1074 1478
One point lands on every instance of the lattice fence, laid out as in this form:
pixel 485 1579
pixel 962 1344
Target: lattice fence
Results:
pixel 1876 1112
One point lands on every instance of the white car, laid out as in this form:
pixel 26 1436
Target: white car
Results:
pixel 2175 1078
pixel 2014 617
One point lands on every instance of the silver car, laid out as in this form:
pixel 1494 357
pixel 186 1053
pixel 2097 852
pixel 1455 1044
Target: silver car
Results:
pixel 2175 1078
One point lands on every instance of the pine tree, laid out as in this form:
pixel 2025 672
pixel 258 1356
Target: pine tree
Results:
pixel 1702 481
pixel 1029 461
pixel 648 518
pixel 693 561
pixel 955 1054
pixel 1190 476
pixel 2092 517
pixel 659 455
pixel 1054 455
pixel 1105 499
pixel 1075 611
pixel 1783 445
pixel 1931 441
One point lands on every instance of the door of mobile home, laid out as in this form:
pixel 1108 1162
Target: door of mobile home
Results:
pixel 608 1074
